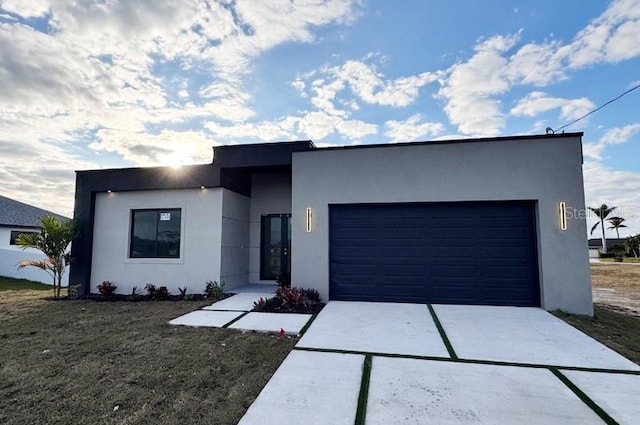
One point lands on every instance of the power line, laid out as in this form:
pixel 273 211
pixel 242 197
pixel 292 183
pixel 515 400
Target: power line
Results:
pixel 597 109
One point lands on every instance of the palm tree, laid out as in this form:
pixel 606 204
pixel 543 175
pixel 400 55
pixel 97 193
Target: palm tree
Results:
pixel 616 224
pixel 52 240
pixel 602 212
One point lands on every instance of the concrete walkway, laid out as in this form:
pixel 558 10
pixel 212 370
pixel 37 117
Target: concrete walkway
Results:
pixel 234 312
pixel 381 363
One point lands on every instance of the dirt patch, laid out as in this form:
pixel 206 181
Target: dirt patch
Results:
pixel 617 285
pixel 85 362
pixel 611 326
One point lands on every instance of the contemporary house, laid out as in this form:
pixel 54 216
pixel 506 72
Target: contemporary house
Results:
pixel 16 218
pixel 473 221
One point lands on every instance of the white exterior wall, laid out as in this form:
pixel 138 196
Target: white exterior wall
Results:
pixel 234 261
pixel 11 255
pixel 200 240
pixel 545 170
pixel 270 194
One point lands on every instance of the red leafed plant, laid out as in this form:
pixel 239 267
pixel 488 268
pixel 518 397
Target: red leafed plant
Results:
pixel 107 289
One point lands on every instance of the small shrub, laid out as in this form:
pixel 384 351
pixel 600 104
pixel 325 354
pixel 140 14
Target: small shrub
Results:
pixel 312 295
pixel 107 289
pixel 157 293
pixel 183 292
pixel 162 293
pixel 134 294
pixel 214 290
pixel 151 290
pixel 272 304
pixel 291 300
pixel 291 297
pixel 73 291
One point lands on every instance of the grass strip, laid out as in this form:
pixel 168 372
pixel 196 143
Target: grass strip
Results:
pixel 361 411
pixel 309 322
pixel 471 361
pixel 443 335
pixel 226 325
pixel 585 398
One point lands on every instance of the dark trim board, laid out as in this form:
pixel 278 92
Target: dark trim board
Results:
pixel 447 252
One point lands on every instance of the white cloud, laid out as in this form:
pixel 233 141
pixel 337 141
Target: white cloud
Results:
pixel 26 8
pixel 623 43
pixel 412 129
pixel 470 87
pixel 613 136
pixel 537 102
pixel 90 81
pixel 316 125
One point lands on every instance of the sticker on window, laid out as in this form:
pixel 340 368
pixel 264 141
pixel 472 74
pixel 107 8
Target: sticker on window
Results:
pixel 165 216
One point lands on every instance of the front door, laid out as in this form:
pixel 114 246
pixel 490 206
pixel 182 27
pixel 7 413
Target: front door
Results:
pixel 275 246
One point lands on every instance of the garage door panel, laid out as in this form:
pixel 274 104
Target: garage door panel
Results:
pixel 470 252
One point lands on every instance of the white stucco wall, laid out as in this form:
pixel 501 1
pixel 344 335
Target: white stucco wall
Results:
pixel 234 262
pixel 545 170
pixel 11 255
pixel 200 240
pixel 270 194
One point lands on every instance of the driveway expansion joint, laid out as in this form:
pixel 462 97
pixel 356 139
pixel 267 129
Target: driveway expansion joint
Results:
pixel 226 325
pixel 443 334
pixel 470 361
pixel 585 398
pixel 363 397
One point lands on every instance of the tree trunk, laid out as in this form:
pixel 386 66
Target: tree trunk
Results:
pixel 604 238
pixel 59 285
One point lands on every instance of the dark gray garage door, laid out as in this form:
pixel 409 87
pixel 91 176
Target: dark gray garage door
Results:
pixel 463 252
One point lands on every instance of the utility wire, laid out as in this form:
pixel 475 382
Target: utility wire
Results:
pixel 597 109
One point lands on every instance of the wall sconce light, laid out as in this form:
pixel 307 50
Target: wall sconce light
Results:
pixel 108 190
pixel 202 187
pixel 562 210
pixel 309 216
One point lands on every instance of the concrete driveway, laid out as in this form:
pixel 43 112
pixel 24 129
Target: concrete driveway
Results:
pixel 383 363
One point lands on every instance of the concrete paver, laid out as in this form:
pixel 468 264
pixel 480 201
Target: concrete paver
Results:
pixel 617 394
pixel 239 302
pixel 292 323
pixel 409 391
pixel 206 318
pixel 523 335
pixel 310 388
pixel 375 327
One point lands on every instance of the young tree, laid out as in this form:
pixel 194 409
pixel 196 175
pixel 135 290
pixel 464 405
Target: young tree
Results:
pixel 633 244
pixel 53 241
pixel 616 224
pixel 602 212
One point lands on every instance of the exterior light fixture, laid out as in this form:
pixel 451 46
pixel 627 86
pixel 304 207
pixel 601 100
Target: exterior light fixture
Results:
pixel 202 187
pixel 108 190
pixel 562 211
pixel 309 215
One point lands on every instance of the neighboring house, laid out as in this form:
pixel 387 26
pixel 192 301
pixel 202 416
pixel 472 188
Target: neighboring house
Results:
pixel 595 246
pixel 476 221
pixel 16 218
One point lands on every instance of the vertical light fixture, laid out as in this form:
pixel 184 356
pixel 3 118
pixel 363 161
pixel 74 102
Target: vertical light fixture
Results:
pixel 308 220
pixel 562 210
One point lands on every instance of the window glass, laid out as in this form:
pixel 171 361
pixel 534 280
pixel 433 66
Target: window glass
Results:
pixel 155 233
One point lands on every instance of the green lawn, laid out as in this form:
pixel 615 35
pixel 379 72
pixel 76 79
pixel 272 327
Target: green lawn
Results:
pixel 87 362
pixel 12 284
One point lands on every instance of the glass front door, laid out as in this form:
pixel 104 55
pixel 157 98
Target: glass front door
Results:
pixel 275 246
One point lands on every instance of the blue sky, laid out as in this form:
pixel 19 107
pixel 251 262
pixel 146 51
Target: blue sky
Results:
pixel 98 84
